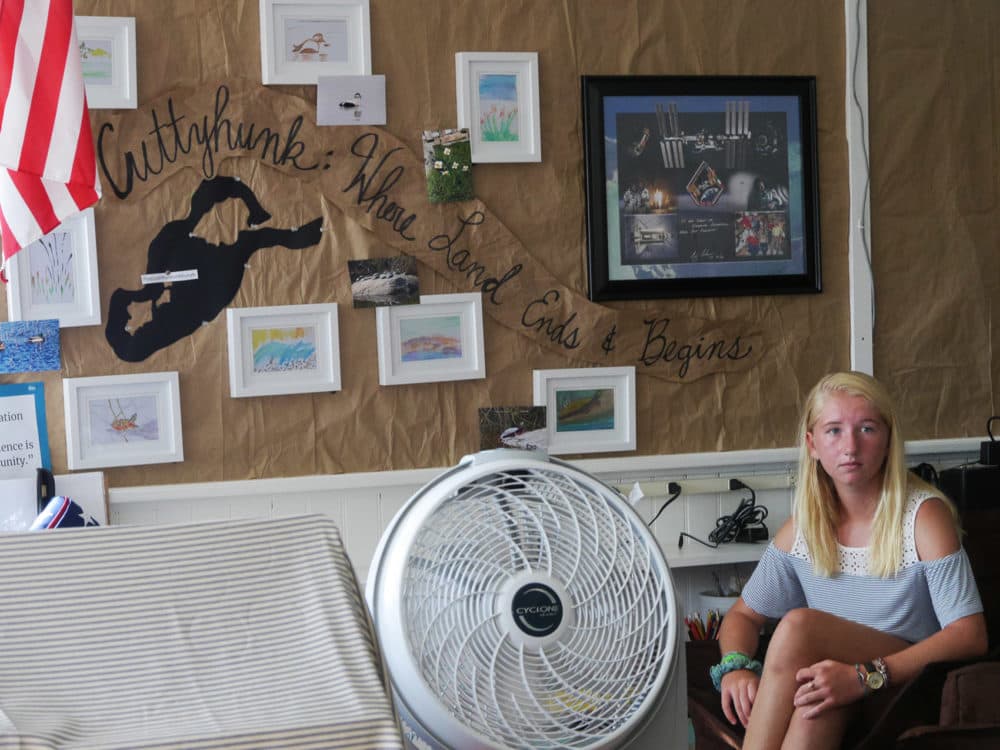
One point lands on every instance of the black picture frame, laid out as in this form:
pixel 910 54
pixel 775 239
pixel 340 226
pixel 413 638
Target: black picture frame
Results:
pixel 701 186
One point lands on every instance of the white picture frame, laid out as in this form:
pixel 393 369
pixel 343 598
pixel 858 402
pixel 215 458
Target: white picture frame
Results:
pixel 56 276
pixel 587 409
pixel 275 351
pixel 301 40
pixel 107 58
pixel 488 85
pixel 123 420
pixel 440 339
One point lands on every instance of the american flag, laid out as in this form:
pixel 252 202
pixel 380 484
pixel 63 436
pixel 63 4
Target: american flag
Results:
pixel 48 171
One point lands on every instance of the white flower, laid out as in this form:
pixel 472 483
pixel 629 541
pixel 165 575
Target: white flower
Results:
pixel 447 150
pixel 439 165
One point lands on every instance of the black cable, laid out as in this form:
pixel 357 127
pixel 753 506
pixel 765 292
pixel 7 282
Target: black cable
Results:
pixel 927 472
pixel 675 492
pixel 728 528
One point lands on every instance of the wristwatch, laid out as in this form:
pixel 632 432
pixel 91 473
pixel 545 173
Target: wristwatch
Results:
pixel 875 675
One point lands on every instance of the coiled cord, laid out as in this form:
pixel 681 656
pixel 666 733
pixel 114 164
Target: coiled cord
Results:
pixel 728 528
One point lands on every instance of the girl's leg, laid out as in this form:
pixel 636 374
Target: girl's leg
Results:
pixel 823 732
pixel 802 638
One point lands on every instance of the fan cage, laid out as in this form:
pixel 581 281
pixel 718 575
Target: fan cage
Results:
pixel 596 679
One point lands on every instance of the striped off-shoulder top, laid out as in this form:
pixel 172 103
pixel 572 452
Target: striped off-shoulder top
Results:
pixel 919 600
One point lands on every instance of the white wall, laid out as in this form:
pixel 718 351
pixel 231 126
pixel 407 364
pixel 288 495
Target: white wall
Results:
pixel 363 504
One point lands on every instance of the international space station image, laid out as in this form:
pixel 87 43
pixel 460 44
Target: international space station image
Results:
pixel 734 140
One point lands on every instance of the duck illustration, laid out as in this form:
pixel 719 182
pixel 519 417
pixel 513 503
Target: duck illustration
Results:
pixel 311 45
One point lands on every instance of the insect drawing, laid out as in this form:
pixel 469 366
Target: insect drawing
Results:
pixel 123 419
pixel 120 423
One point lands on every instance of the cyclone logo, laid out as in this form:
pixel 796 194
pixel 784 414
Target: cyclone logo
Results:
pixel 536 609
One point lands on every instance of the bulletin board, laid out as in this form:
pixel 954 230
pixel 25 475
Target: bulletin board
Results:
pixel 520 243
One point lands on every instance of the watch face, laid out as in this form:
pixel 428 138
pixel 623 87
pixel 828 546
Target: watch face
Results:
pixel 874 680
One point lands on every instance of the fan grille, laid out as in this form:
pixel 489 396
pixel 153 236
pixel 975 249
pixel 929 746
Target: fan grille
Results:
pixel 570 692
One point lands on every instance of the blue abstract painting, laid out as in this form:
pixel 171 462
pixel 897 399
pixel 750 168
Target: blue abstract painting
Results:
pixel 29 346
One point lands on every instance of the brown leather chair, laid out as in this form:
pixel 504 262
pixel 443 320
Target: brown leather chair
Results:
pixel 951 705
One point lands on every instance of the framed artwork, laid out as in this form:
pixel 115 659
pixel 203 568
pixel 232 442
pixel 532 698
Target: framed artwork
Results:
pixel 301 40
pixel 701 186
pixel 588 409
pixel 497 95
pixel 275 351
pixel 56 276
pixel 123 420
pixel 439 339
pixel 107 57
pixel 29 346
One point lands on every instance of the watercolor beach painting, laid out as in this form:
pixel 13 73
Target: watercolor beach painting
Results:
pixel 97 61
pixel 438 337
pixel 283 349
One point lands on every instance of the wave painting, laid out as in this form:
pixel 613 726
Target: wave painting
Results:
pixel 585 410
pixel 430 338
pixel 283 349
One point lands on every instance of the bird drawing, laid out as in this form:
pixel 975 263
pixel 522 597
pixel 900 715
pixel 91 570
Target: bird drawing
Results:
pixel 311 45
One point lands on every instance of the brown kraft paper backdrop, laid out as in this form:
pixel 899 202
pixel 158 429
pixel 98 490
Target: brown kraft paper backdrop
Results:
pixel 536 218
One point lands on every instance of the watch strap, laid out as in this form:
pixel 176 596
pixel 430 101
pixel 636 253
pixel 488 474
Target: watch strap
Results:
pixel 883 670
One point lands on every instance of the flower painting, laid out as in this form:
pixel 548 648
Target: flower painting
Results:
pixel 498 114
pixel 283 349
pixel 437 337
pixel 498 101
pixel 116 420
pixel 448 165
pixel 50 263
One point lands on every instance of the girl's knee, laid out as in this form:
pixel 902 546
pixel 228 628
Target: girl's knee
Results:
pixel 795 635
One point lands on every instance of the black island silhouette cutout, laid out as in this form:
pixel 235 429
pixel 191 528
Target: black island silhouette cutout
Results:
pixel 220 268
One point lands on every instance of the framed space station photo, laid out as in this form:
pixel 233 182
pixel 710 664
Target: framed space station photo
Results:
pixel 701 186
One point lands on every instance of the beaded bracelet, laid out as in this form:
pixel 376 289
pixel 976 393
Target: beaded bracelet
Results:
pixel 732 662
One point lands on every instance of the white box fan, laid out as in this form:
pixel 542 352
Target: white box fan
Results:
pixel 521 603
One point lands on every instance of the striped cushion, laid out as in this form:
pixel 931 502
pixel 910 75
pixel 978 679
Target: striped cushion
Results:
pixel 245 634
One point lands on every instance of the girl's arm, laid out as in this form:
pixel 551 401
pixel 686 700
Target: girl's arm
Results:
pixel 965 637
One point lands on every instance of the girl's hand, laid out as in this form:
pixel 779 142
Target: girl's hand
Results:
pixel 739 688
pixel 827 684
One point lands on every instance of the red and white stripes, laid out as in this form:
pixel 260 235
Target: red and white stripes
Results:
pixel 47 167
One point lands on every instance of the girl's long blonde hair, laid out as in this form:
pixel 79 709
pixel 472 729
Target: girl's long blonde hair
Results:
pixel 815 506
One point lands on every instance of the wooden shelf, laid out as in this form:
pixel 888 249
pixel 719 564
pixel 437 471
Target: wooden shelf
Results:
pixel 693 554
